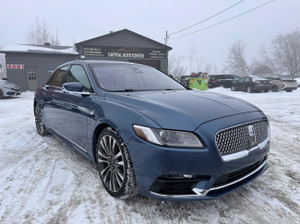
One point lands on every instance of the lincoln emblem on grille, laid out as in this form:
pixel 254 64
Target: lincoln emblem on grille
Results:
pixel 252 137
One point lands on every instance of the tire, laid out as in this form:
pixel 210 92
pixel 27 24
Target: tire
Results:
pixel 1 94
pixel 233 88
pixel 274 89
pixel 39 121
pixel 289 91
pixel 115 166
pixel 249 89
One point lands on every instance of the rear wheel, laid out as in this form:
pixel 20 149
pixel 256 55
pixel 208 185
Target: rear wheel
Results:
pixel 114 163
pixel 249 89
pixel 289 90
pixel 233 88
pixel 39 121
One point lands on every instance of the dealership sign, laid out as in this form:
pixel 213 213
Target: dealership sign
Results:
pixel 15 66
pixel 124 52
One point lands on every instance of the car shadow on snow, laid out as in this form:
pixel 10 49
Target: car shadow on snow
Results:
pixel 159 211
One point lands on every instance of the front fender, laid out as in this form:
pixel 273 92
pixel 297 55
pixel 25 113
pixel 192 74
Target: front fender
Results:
pixel 119 117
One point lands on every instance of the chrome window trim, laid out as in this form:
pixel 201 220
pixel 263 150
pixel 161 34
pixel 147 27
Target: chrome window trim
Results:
pixel 69 67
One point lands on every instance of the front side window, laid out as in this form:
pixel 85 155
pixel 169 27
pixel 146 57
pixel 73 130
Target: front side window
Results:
pixel 133 78
pixel 78 74
pixel 58 76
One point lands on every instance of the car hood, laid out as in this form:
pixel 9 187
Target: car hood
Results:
pixel 182 109
pixel 6 84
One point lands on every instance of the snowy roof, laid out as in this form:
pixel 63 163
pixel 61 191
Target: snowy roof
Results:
pixel 126 31
pixel 26 48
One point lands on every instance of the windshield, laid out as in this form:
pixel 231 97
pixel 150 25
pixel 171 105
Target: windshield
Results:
pixel 133 78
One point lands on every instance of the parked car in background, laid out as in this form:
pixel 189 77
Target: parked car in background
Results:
pixel 279 84
pixel 185 80
pixel 250 85
pixel 222 80
pixel 8 89
pixel 148 134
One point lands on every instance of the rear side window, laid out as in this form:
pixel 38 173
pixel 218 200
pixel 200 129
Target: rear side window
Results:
pixel 78 74
pixel 58 77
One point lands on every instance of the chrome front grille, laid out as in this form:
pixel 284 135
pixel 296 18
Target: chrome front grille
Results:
pixel 239 138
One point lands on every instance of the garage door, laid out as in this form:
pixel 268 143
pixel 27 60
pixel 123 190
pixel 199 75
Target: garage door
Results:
pixel 152 63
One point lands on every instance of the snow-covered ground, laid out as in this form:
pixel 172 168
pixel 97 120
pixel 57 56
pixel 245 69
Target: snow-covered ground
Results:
pixel 42 180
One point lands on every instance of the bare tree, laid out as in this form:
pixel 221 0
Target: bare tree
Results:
pixel 283 54
pixel 236 62
pixel 269 61
pixel 40 33
pixel 175 67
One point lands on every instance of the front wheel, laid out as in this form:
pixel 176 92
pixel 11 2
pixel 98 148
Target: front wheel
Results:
pixel 114 163
pixel 274 89
pixel 233 88
pixel 1 94
pixel 39 121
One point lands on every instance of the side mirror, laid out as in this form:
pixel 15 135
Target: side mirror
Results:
pixel 73 86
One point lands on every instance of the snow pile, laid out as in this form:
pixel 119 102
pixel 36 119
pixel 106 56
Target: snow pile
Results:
pixel 44 181
pixel 41 49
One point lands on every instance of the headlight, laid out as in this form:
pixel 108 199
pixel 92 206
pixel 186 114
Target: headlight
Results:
pixel 168 137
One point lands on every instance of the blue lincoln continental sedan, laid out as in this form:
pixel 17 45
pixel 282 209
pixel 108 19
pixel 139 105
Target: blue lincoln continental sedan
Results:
pixel 149 135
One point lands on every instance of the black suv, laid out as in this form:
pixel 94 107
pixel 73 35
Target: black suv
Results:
pixel 222 80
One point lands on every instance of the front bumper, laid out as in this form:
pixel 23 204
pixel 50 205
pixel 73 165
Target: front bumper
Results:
pixel 194 189
pixel 10 92
pixel 191 174
pixel 289 88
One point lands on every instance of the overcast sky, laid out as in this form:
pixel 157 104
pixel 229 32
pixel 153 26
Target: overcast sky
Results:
pixel 80 20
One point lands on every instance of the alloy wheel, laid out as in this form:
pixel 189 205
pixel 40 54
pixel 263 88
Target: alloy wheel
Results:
pixel 111 162
pixel 38 121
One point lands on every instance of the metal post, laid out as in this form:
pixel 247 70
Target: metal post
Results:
pixel 166 38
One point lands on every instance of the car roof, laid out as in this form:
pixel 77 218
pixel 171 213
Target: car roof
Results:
pixel 100 62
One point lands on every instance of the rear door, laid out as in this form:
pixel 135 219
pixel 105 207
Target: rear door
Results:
pixel 50 94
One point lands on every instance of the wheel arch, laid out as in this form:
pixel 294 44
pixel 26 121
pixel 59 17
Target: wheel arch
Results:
pixel 99 128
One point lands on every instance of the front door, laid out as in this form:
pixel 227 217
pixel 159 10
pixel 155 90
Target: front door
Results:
pixel 73 110
pixel 31 78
